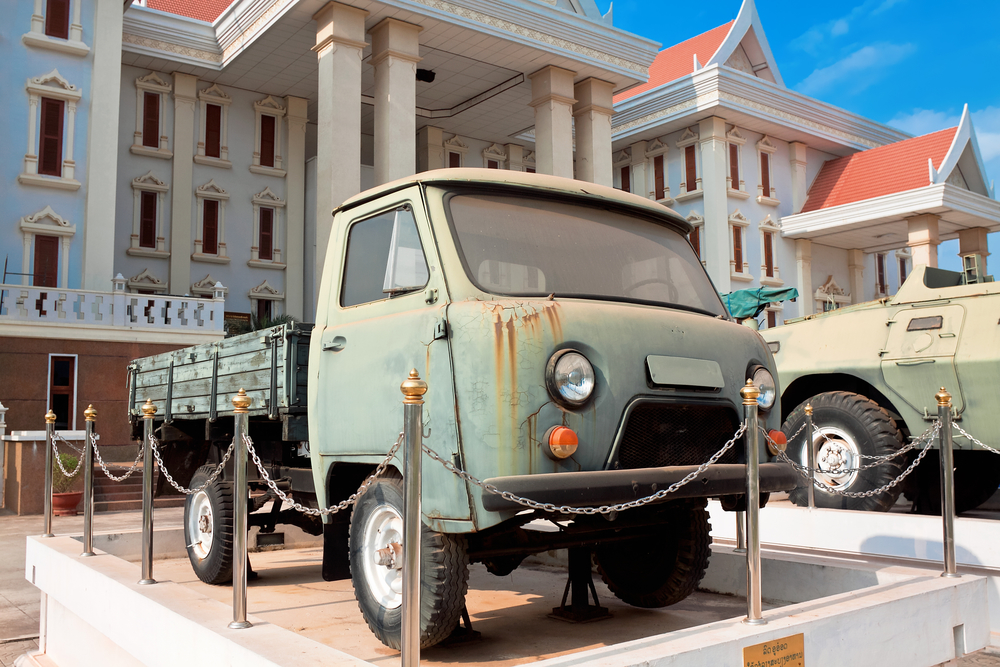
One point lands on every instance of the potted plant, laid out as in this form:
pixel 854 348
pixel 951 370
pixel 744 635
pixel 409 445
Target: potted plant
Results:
pixel 64 501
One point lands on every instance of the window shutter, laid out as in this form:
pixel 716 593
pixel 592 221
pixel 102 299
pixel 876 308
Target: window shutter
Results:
pixel 880 269
pixel 151 120
pixel 768 254
pixel 734 166
pixel 57 18
pixel 738 248
pixel 691 169
pixel 626 172
pixel 658 185
pixel 454 160
pixel 46 261
pixel 696 241
pixel 902 270
pixel 210 228
pixel 213 130
pixel 772 319
pixel 765 174
pixel 266 243
pixel 492 164
pixel 50 147
pixel 267 141
pixel 147 219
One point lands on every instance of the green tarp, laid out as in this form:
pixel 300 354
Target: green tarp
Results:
pixel 746 303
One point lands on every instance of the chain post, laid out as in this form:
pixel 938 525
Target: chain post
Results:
pixel 811 456
pixel 148 411
pixel 413 389
pixel 241 406
pixel 947 482
pixel 50 429
pixel 90 414
pixel 741 533
pixel 749 394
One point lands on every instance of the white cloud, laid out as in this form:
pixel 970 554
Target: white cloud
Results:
pixel 858 70
pixel 812 39
pixel 924 121
pixel 840 27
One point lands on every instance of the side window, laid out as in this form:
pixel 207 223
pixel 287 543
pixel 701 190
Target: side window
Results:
pixel 384 258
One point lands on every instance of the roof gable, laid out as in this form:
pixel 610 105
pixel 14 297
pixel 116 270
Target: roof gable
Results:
pixel 963 163
pixel 201 10
pixel 745 47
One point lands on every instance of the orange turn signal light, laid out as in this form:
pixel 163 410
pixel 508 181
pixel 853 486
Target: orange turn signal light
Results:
pixel 777 442
pixel 561 442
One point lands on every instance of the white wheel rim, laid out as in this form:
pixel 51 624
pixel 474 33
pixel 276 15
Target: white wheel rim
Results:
pixel 836 451
pixel 383 527
pixel 201 524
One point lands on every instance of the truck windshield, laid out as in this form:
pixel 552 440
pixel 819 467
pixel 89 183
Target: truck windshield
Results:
pixel 536 247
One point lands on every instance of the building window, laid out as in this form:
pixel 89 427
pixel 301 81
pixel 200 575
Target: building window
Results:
pixel 51 121
pixel 765 172
pixel 150 137
pixel 147 238
pixel 769 234
pixel 738 249
pixel 765 188
pixel 44 261
pixel 625 178
pixel 267 134
pixel 213 147
pixel 45 268
pixel 695 238
pixel 213 130
pixel 210 227
pixel 267 157
pixel 54 27
pixel 880 282
pixel 50 140
pixel 697 227
pixel 150 120
pixel 734 166
pixel 622 166
pixel 263 310
pixel 659 178
pixel 772 319
pixel 456 149
pixel 263 300
pixel 148 203
pixel 492 164
pixel 266 250
pixel 768 254
pixel 265 241
pixel 494 156
pixel 454 160
pixel 656 162
pixel 735 185
pixel 902 270
pixel 691 183
pixel 690 169
pixel 739 266
pixel 210 240
pixel 62 391
pixel 57 18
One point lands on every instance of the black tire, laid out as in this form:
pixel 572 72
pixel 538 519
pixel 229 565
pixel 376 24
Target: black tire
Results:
pixel 977 475
pixel 444 570
pixel 213 565
pixel 867 428
pixel 660 569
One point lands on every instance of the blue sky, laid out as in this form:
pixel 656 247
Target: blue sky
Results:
pixel 911 64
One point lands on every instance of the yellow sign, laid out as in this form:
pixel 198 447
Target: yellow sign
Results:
pixel 784 652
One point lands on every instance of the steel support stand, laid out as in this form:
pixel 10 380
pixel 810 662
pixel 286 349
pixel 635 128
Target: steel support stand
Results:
pixel 148 411
pixel 50 430
pixel 811 456
pixel 88 481
pixel 413 389
pixel 241 405
pixel 947 483
pixel 749 394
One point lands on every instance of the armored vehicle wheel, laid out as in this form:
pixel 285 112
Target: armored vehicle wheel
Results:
pixel 208 528
pixel 376 568
pixel 847 426
pixel 659 570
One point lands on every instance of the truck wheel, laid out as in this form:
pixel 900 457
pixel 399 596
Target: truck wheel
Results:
pixel 376 568
pixel 661 569
pixel 846 426
pixel 208 528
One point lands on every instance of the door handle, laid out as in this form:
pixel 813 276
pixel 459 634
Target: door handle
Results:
pixel 915 362
pixel 335 345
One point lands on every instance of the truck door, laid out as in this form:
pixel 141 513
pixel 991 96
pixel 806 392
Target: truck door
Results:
pixel 386 315
pixel 919 355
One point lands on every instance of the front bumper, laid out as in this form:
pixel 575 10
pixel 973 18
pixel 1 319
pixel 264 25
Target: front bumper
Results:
pixel 611 487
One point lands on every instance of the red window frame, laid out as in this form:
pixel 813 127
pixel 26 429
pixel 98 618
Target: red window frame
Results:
pixel 690 169
pixel 659 185
pixel 151 120
pixel 738 248
pixel 263 309
pixel 265 244
pixel 57 18
pixel 695 238
pixel 213 130
pixel 734 166
pixel 772 319
pixel 880 283
pixel 210 227
pixel 626 178
pixel 765 174
pixel 45 271
pixel 268 127
pixel 148 203
pixel 50 139
pixel 769 254
pixel 454 160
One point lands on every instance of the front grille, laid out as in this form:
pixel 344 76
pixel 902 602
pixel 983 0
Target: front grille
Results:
pixel 672 434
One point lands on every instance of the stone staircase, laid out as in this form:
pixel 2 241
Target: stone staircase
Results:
pixel 111 496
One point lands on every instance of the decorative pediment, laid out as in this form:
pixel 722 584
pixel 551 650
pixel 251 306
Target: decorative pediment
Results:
pixel 269 105
pixel 737 218
pixel 623 156
pixel 53 77
pixel 655 146
pixel 153 82
pixel 495 152
pixel 529 158
pixel 769 224
pixel 695 219
pixel 829 288
pixel 214 94
pixel 765 145
pixel 734 136
pixel 208 285
pixel 265 291
pixel 149 182
pixel 46 216
pixel 455 144
pixel 687 138
pixel 146 280
pixel 211 191
pixel 267 198
pixel 54 85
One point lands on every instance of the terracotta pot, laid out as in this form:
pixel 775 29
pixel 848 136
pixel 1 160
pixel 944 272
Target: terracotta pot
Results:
pixel 64 504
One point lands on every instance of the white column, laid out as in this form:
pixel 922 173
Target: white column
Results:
pixel 182 185
pixel 803 275
pixel 856 274
pixel 30 157
pixel 592 114
pixel 37 20
pixel 102 147
pixel 715 248
pixel 69 164
pixel 64 261
pixel 430 148
pixel 641 184
pixel 552 99
pixel 974 242
pixel 923 239
pixel 395 54
pixel 340 35
pixel 295 213
pixel 515 156
pixel 26 258
pixel 797 152
pixel 76 27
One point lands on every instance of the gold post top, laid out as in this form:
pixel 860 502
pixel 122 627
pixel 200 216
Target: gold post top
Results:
pixel 50 417
pixel 90 414
pixel 809 408
pixel 413 388
pixel 749 393
pixel 241 402
pixel 943 398
pixel 148 409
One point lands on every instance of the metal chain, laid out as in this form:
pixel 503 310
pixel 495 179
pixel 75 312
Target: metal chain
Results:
pixel 603 509
pixel 343 504
pixel 211 478
pixel 105 466
pixel 974 440
pixel 55 450
pixel 881 459
pixel 929 435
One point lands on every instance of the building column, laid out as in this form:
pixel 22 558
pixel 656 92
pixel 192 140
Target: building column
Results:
pixel 640 179
pixel 856 274
pixel 430 148
pixel 797 151
pixel 974 242
pixel 340 41
pixel 715 247
pixel 923 239
pixel 592 114
pixel 395 54
pixel 182 183
pixel 102 146
pixel 552 98
pixel 515 156
pixel 803 275
pixel 295 212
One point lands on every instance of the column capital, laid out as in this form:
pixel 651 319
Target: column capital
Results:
pixel 397 39
pixel 337 23
pixel 593 95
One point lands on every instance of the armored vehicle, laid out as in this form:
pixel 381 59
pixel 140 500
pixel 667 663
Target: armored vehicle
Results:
pixel 576 353
pixel 870 372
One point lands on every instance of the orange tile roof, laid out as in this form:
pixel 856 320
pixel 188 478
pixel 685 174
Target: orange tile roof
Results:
pixel 203 10
pixel 678 60
pixel 878 171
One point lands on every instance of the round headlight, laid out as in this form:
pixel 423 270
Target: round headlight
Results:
pixel 764 382
pixel 569 378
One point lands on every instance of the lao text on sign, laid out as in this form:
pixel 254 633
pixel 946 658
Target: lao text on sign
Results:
pixel 784 652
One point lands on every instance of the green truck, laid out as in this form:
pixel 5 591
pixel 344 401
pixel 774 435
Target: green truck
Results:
pixel 576 353
pixel 871 371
